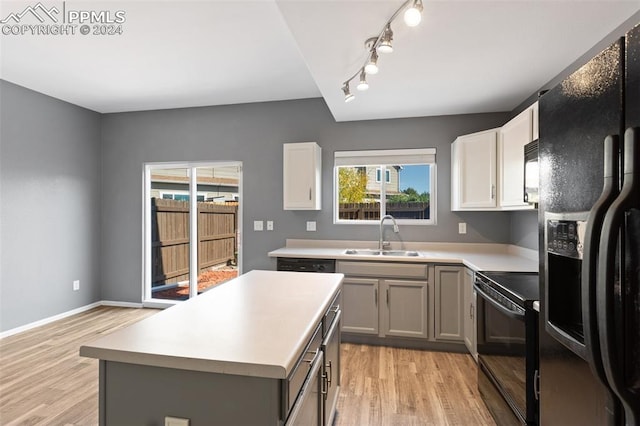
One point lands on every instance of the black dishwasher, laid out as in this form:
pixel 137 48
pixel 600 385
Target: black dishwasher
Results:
pixel 294 264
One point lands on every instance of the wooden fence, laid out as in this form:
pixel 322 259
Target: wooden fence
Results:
pixel 217 238
pixel 371 211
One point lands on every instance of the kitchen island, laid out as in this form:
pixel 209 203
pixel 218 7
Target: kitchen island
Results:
pixel 237 354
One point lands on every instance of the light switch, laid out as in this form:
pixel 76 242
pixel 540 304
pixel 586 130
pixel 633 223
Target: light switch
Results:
pixel 311 225
pixel 269 225
pixel 462 228
pixel 258 225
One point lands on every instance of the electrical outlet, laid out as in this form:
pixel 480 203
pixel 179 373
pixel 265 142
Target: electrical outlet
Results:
pixel 462 228
pixel 269 225
pixel 258 225
pixel 175 421
pixel 76 285
pixel 311 225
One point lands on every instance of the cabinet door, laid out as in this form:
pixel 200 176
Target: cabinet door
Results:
pixel 469 307
pixel 448 303
pixel 302 164
pixel 513 137
pixel 307 410
pixel 331 373
pixel 474 171
pixel 405 308
pixel 360 306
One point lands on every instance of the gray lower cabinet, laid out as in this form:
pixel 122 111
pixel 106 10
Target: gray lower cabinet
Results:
pixel 385 299
pixel 331 371
pixel 469 305
pixel 405 311
pixel 448 293
pixel 360 301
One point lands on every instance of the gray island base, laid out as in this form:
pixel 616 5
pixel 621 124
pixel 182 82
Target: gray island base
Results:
pixel 262 349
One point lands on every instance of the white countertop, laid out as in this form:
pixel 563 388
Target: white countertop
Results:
pixel 255 325
pixel 476 256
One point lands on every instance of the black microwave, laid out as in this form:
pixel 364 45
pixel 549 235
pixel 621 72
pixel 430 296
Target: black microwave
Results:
pixel 531 175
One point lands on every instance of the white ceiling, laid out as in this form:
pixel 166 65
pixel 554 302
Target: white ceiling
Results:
pixel 465 57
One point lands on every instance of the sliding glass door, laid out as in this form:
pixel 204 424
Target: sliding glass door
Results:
pixel 191 228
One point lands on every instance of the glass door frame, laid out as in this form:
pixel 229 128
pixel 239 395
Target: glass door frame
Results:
pixel 147 300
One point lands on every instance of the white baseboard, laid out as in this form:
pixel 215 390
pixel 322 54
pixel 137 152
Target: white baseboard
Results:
pixel 79 310
pixel 121 304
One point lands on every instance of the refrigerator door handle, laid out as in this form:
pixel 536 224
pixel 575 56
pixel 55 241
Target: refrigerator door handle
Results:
pixel 590 256
pixel 605 295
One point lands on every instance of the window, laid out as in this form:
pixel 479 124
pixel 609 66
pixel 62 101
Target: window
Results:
pixel 387 175
pixel 407 193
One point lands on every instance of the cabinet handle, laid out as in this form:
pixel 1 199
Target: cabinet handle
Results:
pixel 376 296
pixel 325 386
pixel 329 374
pixel 309 194
pixel 536 384
pixel 387 297
pixel 493 192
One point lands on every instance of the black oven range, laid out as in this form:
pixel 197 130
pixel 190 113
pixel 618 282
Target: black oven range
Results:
pixel 508 345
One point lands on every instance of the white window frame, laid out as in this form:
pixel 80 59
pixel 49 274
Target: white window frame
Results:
pixel 382 159
pixel 147 300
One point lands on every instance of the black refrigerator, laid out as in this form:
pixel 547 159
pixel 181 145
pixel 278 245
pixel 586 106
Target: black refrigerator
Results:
pixel 589 228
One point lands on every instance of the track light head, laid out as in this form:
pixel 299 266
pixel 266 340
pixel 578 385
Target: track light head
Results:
pixel 363 85
pixel 372 64
pixel 348 96
pixel 385 41
pixel 413 15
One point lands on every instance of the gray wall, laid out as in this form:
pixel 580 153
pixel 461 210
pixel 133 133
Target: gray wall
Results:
pixel 524 229
pixel 254 134
pixel 49 206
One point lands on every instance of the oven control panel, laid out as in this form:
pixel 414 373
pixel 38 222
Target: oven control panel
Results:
pixel 565 237
pixel 497 297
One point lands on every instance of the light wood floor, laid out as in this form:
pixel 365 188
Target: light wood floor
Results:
pixel 393 386
pixel 43 381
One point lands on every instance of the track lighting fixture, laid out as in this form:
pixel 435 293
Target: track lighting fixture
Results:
pixel 363 85
pixel 413 15
pixel 382 44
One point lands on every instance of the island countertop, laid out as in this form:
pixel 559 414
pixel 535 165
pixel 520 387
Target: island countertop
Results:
pixel 255 325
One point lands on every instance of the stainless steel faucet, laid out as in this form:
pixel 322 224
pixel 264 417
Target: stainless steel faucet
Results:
pixel 382 243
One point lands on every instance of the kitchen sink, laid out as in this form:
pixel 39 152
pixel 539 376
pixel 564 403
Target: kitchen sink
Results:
pixel 369 252
pixel 362 252
pixel 399 253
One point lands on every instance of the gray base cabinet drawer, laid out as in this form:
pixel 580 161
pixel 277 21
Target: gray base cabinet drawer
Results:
pixel 384 270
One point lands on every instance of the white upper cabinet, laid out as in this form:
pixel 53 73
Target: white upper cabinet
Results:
pixel 302 176
pixel 513 137
pixel 487 168
pixel 473 171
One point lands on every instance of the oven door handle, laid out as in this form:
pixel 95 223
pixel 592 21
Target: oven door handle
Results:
pixel 503 309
